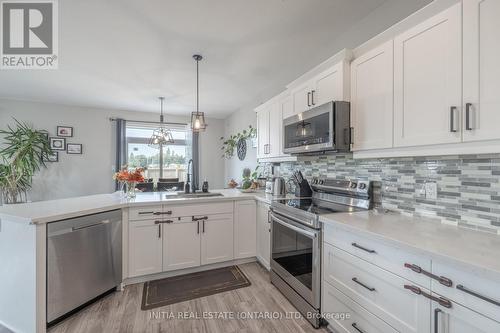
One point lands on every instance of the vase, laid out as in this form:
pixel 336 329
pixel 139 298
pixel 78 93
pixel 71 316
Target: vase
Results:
pixel 122 189
pixel 130 188
pixel 13 197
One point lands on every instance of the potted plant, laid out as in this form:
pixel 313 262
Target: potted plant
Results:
pixel 24 152
pixel 249 182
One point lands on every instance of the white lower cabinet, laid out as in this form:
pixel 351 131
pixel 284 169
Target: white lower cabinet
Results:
pixel 346 316
pixel 217 239
pixel 171 243
pixel 245 229
pixel 145 248
pixel 381 298
pixel 263 235
pixel 181 245
pixel 459 319
pixel 377 290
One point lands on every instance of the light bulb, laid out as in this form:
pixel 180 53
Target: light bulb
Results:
pixel 197 123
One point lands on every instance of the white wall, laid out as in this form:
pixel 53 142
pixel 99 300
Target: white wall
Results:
pixel 91 173
pixel 235 123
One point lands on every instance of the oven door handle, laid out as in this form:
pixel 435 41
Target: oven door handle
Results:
pixel 294 228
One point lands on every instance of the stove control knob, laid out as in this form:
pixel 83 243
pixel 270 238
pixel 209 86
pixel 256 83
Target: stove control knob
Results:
pixel 362 186
pixel 354 185
pixel 321 182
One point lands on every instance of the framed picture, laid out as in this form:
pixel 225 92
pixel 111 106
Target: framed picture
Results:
pixel 74 148
pixel 53 157
pixel 65 131
pixel 57 143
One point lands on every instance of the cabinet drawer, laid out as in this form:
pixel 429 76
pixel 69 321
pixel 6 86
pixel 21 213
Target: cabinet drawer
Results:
pixel 144 213
pixel 470 288
pixel 199 210
pixel 345 315
pixel 380 292
pixel 388 257
pixel 459 319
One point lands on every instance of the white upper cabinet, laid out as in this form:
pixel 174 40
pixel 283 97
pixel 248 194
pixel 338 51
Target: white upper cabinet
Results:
pixel 301 97
pixel 372 95
pixel 428 81
pixel 481 54
pixel 275 124
pixel 263 131
pixel 270 117
pixel 330 85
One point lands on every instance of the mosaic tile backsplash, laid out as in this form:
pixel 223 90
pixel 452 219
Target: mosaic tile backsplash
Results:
pixel 468 186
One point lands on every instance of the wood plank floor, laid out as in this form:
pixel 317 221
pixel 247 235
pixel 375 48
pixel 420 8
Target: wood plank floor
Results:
pixel 121 312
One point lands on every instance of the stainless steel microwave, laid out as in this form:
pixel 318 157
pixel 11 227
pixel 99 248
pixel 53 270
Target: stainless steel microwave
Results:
pixel 321 129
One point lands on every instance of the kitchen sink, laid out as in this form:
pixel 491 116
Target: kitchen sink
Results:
pixel 193 195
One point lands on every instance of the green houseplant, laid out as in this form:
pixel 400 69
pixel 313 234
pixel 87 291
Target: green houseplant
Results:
pixel 23 151
pixel 229 144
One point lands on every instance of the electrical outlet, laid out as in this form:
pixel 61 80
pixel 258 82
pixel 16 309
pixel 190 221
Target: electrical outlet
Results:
pixel 431 190
pixel 420 190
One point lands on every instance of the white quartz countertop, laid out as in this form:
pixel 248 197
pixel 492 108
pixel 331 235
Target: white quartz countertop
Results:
pixel 55 210
pixel 437 240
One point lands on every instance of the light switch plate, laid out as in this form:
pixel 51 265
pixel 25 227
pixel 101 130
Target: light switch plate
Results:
pixel 431 190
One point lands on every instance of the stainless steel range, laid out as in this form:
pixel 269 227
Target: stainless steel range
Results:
pixel 296 238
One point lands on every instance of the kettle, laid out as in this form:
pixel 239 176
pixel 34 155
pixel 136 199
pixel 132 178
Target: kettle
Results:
pixel 279 188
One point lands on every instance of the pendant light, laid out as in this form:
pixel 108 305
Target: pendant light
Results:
pixel 162 135
pixel 198 123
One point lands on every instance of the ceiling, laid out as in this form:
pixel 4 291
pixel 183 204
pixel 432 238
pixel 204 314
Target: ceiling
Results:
pixel 123 54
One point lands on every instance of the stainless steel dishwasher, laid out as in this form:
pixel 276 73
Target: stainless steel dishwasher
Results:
pixel 84 261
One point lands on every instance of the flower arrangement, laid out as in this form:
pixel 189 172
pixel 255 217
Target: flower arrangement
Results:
pixel 130 178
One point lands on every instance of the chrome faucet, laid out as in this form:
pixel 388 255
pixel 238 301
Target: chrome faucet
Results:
pixel 188 187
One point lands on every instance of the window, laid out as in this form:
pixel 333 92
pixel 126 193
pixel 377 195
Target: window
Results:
pixel 169 162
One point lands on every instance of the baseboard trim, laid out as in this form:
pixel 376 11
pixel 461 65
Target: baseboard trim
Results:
pixel 145 278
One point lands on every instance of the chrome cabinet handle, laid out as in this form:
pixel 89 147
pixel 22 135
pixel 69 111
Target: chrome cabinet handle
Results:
pixel 169 212
pixel 475 294
pixel 199 218
pixel 362 284
pixel 159 230
pixel 453 109
pixel 441 300
pixel 312 97
pixel 204 226
pixel 467 116
pixel 363 248
pixel 144 213
pixel 163 221
pixel 308 98
pixel 436 320
pixel 198 227
pixel 355 326
pixel 441 279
